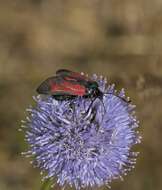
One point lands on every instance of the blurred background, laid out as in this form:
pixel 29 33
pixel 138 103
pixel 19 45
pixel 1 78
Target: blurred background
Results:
pixel 121 40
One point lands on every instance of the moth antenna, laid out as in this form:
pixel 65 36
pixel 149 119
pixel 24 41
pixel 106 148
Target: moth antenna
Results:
pixel 125 100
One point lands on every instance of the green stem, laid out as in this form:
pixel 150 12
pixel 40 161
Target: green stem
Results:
pixel 46 185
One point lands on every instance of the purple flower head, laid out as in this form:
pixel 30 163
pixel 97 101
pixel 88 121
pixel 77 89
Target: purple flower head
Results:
pixel 83 148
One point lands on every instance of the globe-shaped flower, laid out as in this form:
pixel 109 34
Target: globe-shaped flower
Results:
pixel 83 144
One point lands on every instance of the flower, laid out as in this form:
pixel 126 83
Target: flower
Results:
pixel 83 144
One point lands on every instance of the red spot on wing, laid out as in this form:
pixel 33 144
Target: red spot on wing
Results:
pixel 74 75
pixel 73 89
pixel 70 79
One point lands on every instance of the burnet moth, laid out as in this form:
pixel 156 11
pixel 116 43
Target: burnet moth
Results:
pixel 67 85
